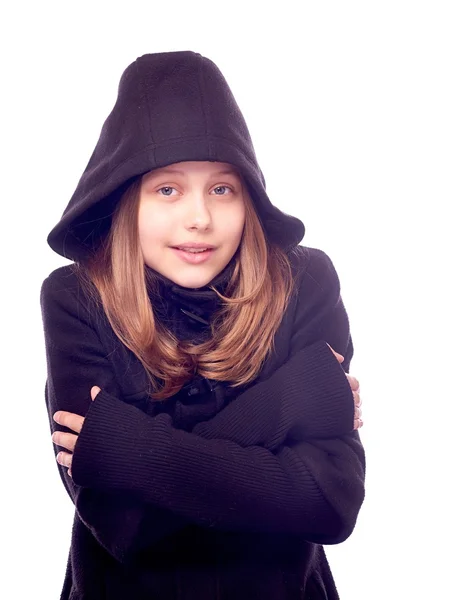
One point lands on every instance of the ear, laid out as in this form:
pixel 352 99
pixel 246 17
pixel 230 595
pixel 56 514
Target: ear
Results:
pixel 94 391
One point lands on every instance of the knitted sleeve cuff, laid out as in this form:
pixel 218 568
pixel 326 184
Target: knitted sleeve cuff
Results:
pixel 107 439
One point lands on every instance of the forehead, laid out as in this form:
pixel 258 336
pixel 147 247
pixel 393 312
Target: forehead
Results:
pixel 206 168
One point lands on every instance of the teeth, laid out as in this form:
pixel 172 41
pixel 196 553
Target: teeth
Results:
pixel 192 250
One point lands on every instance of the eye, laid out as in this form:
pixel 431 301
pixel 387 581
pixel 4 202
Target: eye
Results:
pixel 222 187
pixel 165 188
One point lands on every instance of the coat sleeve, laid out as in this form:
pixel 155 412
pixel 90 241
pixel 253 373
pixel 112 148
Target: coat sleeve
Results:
pixel 313 488
pixel 76 362
pixel 310 487
pixel 314 399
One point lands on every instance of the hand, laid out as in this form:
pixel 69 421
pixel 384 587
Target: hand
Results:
pixel 354 384
pixel 69 440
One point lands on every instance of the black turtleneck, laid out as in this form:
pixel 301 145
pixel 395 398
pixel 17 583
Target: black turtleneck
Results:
pixel 186 312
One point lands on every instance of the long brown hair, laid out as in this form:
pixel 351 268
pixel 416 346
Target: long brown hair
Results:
pixel 242 329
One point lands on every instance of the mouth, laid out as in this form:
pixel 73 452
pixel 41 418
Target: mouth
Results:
pixel 194 248
pixel 193 255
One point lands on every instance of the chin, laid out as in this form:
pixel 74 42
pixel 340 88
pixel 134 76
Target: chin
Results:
pixel 191 282
pixel 194 280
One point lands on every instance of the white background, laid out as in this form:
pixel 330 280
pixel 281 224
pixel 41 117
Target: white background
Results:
pixel 348 106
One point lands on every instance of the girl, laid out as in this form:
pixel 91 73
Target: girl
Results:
pixel 198 357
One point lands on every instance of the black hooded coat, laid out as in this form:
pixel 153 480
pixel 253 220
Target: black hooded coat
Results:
pixel 215 493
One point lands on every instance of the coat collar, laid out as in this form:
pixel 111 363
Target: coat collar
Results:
pixel 188 308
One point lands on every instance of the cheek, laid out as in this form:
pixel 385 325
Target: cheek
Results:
pixel 152 224
pixel 238 220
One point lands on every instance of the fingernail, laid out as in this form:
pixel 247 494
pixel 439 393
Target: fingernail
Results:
pixel 56 416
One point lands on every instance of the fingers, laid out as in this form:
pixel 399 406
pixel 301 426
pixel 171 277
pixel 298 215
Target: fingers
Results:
pixel 358 412
pixel 357 419
pixel 358 423
pixel 69 420
pixel 354 383
pixel 65 440
pixel 69 440
pixel 338 356
pixel 95 391
pixel 65 460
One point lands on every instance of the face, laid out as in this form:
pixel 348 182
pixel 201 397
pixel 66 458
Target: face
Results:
pixel 191 203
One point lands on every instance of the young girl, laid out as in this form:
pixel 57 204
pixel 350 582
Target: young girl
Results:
pixel 198 356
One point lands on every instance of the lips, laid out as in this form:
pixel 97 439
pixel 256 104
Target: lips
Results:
pixel 193 256
pixel 193 250
pixel 194 246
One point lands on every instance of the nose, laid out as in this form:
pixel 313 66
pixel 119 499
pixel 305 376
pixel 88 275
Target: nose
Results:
pixel 198 212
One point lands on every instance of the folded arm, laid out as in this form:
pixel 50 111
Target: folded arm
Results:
pixel 259 464
pixel 300 495
pixel 311 489
pixel 76 362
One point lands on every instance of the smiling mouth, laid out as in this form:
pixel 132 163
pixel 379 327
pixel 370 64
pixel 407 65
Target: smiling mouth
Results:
pixel 194 246
pixel 193 250
pixel 194 255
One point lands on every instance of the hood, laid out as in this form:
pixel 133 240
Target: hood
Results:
pixel 171 107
